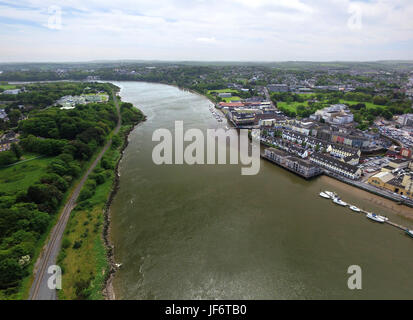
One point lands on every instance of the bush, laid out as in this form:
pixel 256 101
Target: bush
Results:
pixel 88 190
pixel 7 157
pixel 66 243
pixel 77 244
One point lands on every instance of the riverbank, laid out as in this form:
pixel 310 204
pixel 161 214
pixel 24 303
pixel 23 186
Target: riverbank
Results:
pixel 108 291
pixel 86 256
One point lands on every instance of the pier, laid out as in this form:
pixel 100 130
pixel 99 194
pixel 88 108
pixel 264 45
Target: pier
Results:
pixel 396 225
pixel 389 222
pixel 393 224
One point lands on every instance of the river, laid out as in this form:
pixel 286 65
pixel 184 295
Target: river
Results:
pixel 207 232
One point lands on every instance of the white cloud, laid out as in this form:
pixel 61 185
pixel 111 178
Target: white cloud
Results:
pixel 181 29
pixel 206 40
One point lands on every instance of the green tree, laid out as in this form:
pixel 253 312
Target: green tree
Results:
pixel 17 150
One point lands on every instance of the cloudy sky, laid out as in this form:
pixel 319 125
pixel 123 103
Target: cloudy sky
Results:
pixel 245 30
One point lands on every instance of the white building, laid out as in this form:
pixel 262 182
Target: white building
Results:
pixel 336 114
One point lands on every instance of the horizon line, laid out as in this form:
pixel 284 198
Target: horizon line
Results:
pixel 206 61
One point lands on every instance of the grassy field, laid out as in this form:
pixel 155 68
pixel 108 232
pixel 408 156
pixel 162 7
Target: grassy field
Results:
pixel 231 99
pixel 369 105
pixel 7 86
pixel 291 106
pixel 20 176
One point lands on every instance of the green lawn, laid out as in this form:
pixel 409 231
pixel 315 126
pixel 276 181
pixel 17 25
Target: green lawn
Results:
pixel 369 105
pixel 7 86
pixel 292 106
pixel 22 175
pixel 231 99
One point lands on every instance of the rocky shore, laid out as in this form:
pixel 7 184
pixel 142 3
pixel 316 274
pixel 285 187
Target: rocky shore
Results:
pixel 108 291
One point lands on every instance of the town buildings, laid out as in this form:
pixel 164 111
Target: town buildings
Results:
pixel 7 140
pixel 299 166
pixel 70 102
pixel 336 166
pixel 335 114
pixel 400 183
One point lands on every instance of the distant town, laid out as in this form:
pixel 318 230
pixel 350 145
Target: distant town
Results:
pixel 351 121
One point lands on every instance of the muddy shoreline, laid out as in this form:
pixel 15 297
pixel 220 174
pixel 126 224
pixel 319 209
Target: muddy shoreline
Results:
pixel 401 210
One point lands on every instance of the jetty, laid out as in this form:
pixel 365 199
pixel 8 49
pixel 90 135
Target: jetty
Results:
pixel 393 224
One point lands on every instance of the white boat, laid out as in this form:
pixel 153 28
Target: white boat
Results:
pixel 383 217
pixel 374 217
pixel 409 232
pixel 331 194
pixel 354 208
pixel 324 195
pixel 339 202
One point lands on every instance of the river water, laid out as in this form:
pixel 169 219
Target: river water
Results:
pixel 207 232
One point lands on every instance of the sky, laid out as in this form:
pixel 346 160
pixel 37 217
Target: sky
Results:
pixel 206 30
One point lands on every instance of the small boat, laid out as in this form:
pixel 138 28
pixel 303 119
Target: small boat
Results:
pixel 331 194
pixel 339 202
pixel 354 208
pixel 383 217
pixel 409 232
pixel 374 217
pixel 324 195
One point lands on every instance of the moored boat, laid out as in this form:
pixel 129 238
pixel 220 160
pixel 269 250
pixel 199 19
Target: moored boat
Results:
pixel 339 202
pixel 331 194
pixel 374 217
pixel 354 208
pixel 324 195
pixel 383 217
pixel 409 232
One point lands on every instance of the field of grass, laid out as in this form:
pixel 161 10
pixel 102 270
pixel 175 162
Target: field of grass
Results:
pixel 291 106
pixel 7 86
pixel 231 99
pixel 20 176
pixel 369 105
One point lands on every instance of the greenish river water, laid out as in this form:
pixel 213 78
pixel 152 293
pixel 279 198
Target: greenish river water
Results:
pixel 207 232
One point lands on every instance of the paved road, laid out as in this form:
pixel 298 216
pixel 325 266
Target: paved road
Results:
pixel 40 289
pixel 268 97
